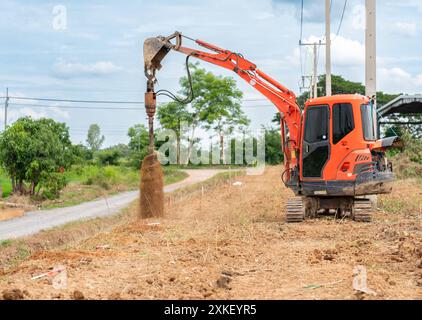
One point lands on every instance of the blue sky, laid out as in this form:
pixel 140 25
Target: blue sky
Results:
pixel 98 55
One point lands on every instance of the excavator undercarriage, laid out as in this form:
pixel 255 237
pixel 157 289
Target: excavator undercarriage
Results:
pixel 301 208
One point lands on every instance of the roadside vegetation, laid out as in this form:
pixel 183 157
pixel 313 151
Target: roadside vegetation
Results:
pixel 40 167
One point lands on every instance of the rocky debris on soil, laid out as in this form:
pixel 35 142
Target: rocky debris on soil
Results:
pixel 229 273
pixel 319 255
pixel 103 247
pixel 13 294
pixel 419 280
pixel 78 295
pixel 85 261
pixel 329 254
pixel 328 257
pixel 57 296
pixel 115 296
pixel 223 282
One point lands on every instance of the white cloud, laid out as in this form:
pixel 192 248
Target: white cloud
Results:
pixel 60 112
pixel 344 52
pixel 347 52
pixel 405 28
pixel 294 58
pixel 65 69
pixel 24 108
pixel 16 113
pixel 398 80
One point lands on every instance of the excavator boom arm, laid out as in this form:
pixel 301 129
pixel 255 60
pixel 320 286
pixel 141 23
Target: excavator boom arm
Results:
pixel 283 99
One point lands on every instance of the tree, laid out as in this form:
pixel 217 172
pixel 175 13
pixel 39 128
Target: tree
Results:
pixel 37 152
pixel 109 157
pixel 94 138
pixel 171 116
pixel 273 148
pixel 215 105
pixel 81 153
pixel 138 144
pixel 339 85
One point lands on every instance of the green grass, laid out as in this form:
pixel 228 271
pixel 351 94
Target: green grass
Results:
pixel 104 177
pixel 5 183
pixel 172 175
pixel 108 176
pixel 90 182
pixel 5 243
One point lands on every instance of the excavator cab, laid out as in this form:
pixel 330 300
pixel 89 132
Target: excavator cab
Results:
pixel 340 152
pixel 341 158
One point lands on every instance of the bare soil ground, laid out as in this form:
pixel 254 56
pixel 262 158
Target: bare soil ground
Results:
pixel 231 242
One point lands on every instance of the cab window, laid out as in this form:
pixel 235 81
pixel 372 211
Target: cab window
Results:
pixel 368 122
pixel 316 129
pixel 343 122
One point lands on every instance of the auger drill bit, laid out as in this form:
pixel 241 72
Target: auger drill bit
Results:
pixel 150 106
pixel 151 188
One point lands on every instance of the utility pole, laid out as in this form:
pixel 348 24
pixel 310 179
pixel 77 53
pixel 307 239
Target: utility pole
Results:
pixel 370 50
pixel 305 86
pixel 6 105
pixel 327 48
pixel 313 92
pixel 315 73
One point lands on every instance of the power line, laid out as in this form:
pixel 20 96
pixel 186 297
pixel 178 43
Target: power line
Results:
pixel 101 108
pixel 300 41
pixel 301 22
pixel 341 20
pixel 101 101
pixel 71 107
pixel 78 101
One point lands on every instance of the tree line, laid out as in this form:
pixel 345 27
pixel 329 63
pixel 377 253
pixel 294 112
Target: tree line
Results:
pixel 35 153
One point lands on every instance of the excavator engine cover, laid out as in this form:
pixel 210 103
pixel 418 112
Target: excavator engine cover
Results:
pixel 155 50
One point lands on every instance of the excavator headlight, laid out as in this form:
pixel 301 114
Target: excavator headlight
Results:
pixel 345 166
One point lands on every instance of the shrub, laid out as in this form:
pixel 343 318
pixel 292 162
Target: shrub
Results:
pixel 52 184
pixel 105 177
pixel 109 157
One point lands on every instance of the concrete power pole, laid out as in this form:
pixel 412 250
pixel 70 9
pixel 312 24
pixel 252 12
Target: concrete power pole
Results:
pixel 313 90
pixel 370 49
pixel 327 48
pixel 6 105
pixel 315 72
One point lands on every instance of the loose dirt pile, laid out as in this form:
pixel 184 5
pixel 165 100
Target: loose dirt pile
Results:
pixel 231 242
pixel 152 188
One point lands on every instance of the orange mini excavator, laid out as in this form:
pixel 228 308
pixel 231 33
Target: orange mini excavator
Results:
pixel 332 154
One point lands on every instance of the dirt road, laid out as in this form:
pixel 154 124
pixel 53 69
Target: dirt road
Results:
pixel 232 243
pixel 35 221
